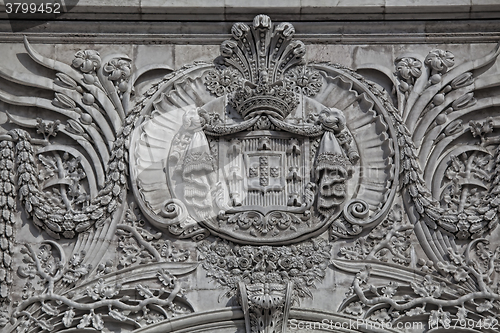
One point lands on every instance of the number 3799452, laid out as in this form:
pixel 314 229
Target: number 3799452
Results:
pixel 32 8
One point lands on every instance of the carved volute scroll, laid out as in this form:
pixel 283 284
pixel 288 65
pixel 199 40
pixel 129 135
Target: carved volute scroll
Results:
pixel 273 178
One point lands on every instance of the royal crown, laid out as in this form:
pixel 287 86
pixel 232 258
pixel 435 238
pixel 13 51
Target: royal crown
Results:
pixel 272 99
pixel 262 54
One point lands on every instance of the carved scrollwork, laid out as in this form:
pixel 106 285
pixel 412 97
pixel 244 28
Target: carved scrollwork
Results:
pixel 139 245
pixel 390 239
pixel 355 211
pixel 271 223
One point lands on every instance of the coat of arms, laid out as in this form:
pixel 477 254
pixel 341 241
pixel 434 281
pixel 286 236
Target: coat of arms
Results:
pixel 257 144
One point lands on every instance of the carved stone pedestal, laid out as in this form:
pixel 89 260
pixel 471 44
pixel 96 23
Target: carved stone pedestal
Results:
pixel 266 306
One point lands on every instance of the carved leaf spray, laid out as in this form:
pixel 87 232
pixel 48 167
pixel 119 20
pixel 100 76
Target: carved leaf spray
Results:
pixel 105 296
pixel 53 180
pixel 234 142
pixel 463 178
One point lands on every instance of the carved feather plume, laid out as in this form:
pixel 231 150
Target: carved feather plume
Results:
pixel 71 161
pixel 444 132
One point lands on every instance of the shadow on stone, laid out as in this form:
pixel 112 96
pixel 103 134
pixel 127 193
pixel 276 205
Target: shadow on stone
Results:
pixel 26 15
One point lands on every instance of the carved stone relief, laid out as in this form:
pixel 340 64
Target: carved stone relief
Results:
pixel 252 178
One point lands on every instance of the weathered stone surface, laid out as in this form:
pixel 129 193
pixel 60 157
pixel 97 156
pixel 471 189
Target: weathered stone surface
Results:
pixel 255 177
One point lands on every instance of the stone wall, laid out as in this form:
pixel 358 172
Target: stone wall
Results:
pixel 211 168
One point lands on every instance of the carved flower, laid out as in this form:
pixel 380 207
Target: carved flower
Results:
pixel 285 263
pixel 244 263
pixel 87 61
pixel 272 255
pixel 273 278
pixel 463 225
pixel 390 289
pixel 309 263
pixel 261 254
pixel 440 60
pixel 221 262
pixel 381 316
pixel 460 275
pixel 302 79
pixel 232 262
pixel 117 68
pixel 439 317
pixel 485 306
pixel 221 82
pixel 222 249
pixel 463 234
pixel 102 291
pixel 68 225
pixel 259 277
pixel 212 258
pixel 481 128
pixel 409 68
pixel 245 251
pixel 428 287
pixel 307 249
pixel 462 313
pixel 266 259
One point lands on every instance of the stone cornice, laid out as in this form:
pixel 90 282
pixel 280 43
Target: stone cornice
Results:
pixel 296 10
pixel 208 22
pixel 293 10
pixel 213 33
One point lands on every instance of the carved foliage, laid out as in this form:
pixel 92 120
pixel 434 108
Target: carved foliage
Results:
pixel 429 298
pixel 140 245
pixel 389 241
pixel 96 302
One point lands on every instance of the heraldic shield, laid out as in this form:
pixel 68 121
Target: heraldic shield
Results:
pixel 261 148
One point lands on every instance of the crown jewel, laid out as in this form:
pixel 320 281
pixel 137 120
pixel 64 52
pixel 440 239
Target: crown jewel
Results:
pixel 262 54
